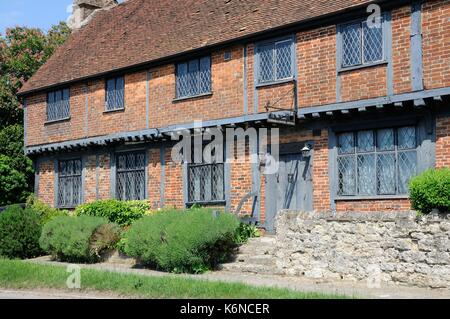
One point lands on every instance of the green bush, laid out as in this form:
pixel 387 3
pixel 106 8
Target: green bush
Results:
pixel 19 233
pixel 431 190
pixel 121 213
pixel 44 211
pixel 245 232
pixel 78 239
pixel 182 241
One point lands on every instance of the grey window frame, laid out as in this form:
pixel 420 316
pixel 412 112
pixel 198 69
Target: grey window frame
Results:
pixel 197 92
pixel 116 171
pixel 191 200
pixel 375 152
pixel 58 110
pixel 258 66
pixel 385 16
pixel 58 182
pixel 116 106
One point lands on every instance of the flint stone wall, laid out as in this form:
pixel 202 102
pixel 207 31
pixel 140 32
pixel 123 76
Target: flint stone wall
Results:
pixel 377 247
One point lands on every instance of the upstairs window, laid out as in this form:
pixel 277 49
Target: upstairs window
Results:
pixel 58 105
pixel 376 162
pixel 361 44
pixel 69 183
pixel 115 94
pixel 275 61
pixel 193 78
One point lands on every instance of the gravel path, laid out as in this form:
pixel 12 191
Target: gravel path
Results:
pixel 52 294
pixel 351 289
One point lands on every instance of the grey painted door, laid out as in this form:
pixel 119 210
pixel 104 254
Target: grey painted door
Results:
pixel 290 188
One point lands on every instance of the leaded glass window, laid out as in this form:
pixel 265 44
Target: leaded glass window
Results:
pixel 206 183
pixel 275 61
pixel 130 176
pixel 58 105
pixel 193 77
pixel 376 162
pixel 69 183
pixel 361 43
pixel 115 94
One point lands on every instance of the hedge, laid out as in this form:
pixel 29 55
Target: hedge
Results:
pixel 79 239
pixel 431 190
pixel 119 212
pixel 19 233
pixel 182 241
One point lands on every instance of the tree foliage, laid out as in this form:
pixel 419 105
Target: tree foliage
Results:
pixel 22 52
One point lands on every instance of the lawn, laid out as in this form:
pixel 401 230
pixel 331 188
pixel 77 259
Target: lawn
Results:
pixel 24 275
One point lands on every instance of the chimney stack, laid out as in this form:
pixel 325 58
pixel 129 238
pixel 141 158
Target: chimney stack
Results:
pixel 84 10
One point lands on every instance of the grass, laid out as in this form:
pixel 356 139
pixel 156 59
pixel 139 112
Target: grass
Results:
pixel 25 275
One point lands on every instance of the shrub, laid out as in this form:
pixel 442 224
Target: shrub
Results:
pixel 431 190
pixel 245 232
pixel 182 241
pixel 44 211
pixel 78 239
pixel 19 233
pixel 121 213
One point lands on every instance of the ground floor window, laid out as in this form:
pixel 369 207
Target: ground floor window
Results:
pixel 130 176
pixel 206 183
pixel 69 183
pixel 376 162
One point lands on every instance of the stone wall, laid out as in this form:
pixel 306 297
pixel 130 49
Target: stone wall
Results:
pixel 377 247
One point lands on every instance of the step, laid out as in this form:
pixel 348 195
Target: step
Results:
pixel 266 260
pixel 246 268
pixel 253 250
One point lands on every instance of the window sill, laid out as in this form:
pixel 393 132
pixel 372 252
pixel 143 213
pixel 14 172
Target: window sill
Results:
pixel 57 121
pixel 215 203
pixel 379 197
pixel 289 80
pixel 180 99
pixel 114 111
pixel 363 66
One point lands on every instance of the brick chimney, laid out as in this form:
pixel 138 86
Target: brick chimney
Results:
pixel 84 10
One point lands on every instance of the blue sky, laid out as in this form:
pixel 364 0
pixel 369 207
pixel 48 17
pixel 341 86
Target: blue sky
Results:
pixel 32 13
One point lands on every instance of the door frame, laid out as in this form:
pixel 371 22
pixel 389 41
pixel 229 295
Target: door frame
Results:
pixel 288 149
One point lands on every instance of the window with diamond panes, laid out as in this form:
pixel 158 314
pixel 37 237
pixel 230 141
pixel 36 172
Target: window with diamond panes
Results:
pixel 58 105
pixel 275 61
pixel 130 176
pixel 376 162
pixel 206 183
pixel 362 44
pixel 193 77
pixel 115 94
pixel 69 183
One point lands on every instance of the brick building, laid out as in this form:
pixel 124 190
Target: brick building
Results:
pixel 368 97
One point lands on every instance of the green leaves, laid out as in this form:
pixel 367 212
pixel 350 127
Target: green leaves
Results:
pixel 431 190
pixel 22 52
pixel 182 240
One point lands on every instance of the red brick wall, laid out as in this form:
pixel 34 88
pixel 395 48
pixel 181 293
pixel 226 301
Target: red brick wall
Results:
pixel 90 181
pixel 280 96
pixel 316 56
pixel 401 49
pixel 443 142
pixel 373 205
pixel 174 182
pixel 154 177
pixel 226 100
pixel 46 182
pixel 436 44
pixel 364 83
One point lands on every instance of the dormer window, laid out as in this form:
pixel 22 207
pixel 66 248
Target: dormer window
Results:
pixel 58 105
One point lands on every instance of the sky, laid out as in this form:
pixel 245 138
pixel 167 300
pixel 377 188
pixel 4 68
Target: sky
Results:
pixel 33 13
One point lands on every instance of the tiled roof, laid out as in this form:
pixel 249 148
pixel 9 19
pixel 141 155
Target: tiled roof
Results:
pixel 141 31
